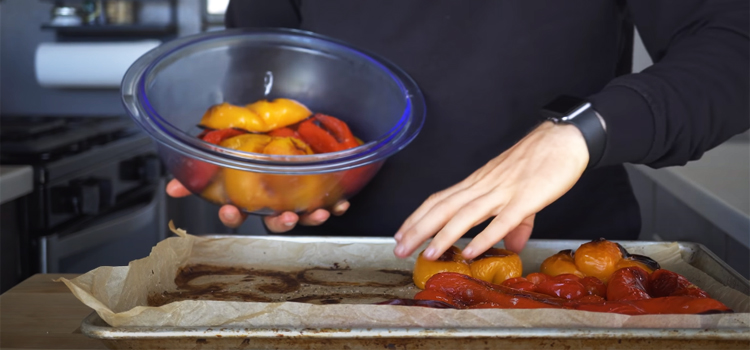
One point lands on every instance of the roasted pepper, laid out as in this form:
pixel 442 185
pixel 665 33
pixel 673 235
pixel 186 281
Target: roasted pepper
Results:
pixel 469 292
pixel 598 258
pixel 635 260
pixel 254 191
pixel 662 283
pixel 565 286
pixel 630 283
pixel 466 292
pixel 560 263
pixel 496 265
pixel 450 261
pixel 326 134
pixel 199 174
pixel 261 116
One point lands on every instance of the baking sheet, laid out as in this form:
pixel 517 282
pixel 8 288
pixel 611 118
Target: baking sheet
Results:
pixel 120 295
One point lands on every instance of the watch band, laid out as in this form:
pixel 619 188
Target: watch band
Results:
pixel 584 117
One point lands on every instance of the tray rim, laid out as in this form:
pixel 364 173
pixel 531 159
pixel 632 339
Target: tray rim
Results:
pixel 91 329
pixel 93 326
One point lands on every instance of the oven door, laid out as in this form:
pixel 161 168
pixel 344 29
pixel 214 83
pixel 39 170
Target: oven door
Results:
pixel 113 239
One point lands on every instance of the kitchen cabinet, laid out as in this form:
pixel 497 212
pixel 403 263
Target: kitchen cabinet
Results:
pixel 706 201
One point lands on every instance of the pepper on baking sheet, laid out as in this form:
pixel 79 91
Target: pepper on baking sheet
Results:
pixel 656 306
pixel 642 261
pixel 565 286
pixel 663 283
pixel 560 263
pixel 630 283
pixel 496 265
pixel 450 261
pixel 260 116
pixel 598 258
pixel 468 292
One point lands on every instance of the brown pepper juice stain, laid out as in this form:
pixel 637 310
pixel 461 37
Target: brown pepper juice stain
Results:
pixel 318 285
pixel 315 276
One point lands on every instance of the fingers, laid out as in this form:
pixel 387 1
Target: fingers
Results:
pixel 315 218
pixel 281 223
pixel 433 220
pixel 470 215
pixel 425 208
pixel 509 218
pixel 230 216
pixel 288 220
pixel 517 238
pixel 340 208
pixel 176 189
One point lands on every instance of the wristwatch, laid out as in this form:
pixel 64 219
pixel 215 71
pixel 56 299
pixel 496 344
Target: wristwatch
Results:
pixel 579 112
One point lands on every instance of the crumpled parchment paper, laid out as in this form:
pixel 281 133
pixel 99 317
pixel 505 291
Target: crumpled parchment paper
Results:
pixel 119 294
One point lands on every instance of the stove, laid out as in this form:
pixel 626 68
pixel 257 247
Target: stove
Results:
pixel 91 175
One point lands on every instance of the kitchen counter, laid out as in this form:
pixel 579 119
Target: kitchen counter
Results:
pixel 717 187
pixel 15 181
pixel 41 314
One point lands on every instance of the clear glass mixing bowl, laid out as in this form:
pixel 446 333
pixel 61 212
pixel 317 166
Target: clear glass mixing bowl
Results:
pixel 168 90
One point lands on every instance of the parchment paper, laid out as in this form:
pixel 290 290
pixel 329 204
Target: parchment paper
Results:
pixel 119 294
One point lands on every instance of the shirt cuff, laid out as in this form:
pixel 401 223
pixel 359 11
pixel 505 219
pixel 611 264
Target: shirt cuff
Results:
pixel 630 124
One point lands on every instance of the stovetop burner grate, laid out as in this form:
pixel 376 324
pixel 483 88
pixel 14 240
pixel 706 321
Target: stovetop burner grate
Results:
pixel 33 140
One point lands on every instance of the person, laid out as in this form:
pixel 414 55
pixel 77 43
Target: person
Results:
pixel 486 165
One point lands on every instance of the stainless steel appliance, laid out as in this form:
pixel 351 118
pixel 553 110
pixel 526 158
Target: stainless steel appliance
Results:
pixel 97 193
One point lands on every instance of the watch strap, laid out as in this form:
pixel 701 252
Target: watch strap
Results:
pixel 593 132
pixel 584 117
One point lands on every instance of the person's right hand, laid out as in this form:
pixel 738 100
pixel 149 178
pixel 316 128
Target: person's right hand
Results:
pixel 232 217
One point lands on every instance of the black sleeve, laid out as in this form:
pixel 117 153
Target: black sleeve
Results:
pixel 697 93
pixel 262 14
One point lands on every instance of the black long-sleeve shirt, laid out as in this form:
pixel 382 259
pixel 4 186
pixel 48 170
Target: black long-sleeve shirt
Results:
pixel 487 66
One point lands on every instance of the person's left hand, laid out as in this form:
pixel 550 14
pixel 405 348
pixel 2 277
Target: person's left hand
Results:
pixel 512 187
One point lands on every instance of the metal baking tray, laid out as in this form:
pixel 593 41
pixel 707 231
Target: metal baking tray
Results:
pixel 433 338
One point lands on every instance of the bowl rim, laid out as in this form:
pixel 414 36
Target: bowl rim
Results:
pixel 136 102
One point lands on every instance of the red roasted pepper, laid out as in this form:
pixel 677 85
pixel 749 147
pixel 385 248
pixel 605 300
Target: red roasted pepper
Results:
pixel 630 283
pixel 200 173
pixel 466 292
pixel 327 134
pixel 656 306
pixel 663 283
pixel 566 286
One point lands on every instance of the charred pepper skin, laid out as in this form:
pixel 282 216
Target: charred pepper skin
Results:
pixel 450 261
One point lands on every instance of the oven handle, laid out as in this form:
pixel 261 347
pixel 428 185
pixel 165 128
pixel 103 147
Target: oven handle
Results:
pixel 52 248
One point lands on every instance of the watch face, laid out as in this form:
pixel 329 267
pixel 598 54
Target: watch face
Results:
pixel 564 105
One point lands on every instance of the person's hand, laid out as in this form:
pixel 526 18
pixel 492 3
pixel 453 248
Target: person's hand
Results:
pixel 512 187
pixel 232 217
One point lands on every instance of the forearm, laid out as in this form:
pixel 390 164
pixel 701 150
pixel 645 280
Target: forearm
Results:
pixel 695 96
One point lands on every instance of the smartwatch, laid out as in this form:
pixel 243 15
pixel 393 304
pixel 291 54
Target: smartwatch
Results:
pixel 579 112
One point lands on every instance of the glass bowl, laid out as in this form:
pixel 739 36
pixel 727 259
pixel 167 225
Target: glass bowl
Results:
pixel 167 91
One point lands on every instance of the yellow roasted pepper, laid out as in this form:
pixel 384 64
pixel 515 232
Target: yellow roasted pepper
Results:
pixel 261 116
pixel 496 265
pixel 450 261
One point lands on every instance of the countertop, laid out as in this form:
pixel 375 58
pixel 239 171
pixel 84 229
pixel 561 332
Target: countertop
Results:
pixel 717 186
pixel 15 181
pixel 41 314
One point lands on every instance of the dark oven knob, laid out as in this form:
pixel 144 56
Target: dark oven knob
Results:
pixel 80 198
pixel 143 168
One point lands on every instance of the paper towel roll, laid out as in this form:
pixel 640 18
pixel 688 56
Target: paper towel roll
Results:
pixel 87 65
